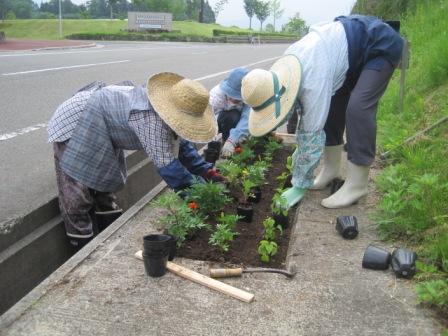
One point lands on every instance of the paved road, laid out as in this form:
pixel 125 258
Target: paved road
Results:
pixel 33 84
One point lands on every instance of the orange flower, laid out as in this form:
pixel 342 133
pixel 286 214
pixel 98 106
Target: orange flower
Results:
pixel 238 150
pixel 193 205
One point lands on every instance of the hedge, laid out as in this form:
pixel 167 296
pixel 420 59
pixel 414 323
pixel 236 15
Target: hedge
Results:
pixel 221 32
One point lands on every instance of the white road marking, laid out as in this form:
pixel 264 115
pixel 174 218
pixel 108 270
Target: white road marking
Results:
pixel 25 130
pixel 8 136
pixel 97 50
pixel 61 68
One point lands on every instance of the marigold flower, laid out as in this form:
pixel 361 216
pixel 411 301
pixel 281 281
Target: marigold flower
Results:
pixel 238 150
pixel 193 205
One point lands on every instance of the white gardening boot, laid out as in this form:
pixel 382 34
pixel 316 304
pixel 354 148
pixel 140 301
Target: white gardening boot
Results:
pixel 354 188
pixel 331 168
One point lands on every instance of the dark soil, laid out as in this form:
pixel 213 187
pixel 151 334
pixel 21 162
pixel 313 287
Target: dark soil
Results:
pixel 244 248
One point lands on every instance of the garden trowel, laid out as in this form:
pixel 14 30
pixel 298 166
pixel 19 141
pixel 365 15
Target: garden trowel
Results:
pixel 236 272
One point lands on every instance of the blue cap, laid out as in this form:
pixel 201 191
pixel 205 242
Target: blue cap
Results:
pixel 231 86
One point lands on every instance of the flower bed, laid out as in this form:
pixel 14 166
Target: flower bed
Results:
pixel 220 235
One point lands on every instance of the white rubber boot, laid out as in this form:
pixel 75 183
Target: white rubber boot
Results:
pixel 354 188
pixel 331 168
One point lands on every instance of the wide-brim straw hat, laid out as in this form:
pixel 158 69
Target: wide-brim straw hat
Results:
pixel 271 94
pixel 182 103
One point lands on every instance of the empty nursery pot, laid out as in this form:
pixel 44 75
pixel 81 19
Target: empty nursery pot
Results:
pixel 216 145
pixel 156 249
pixel 336 184
pixel 256 195
pixel 246 210
pixel 173 248
pixel 403 263
pixel 155 244
pixel 347 226
pixel 155 265
pixel 376 258
pixel 281 220
pixel 211 155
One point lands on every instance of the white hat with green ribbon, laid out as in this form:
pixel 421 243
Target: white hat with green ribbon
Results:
pixel 271 94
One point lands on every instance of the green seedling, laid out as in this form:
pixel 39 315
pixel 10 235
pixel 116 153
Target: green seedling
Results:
pixel 279 205
pixel 247 188
pixel 267 249
pixel 270 229
pixel 224 231
pixel 231 171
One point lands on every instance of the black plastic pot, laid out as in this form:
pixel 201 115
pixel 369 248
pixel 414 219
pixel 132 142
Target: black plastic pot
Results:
pixel 246 210
pixel 376 258
pixel 216 145
pixel 156 249
pixel 335 185
pixel 173 248
pixel 347 226
pixel 211 155
pixel 281 220
pixel 155 265
pixel 256 195
pixel 288 182
pixel 403 263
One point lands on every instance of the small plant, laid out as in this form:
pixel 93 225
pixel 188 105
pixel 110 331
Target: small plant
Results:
pixel 181 220
pixel 267 249
pixel 279 205
pixel 231 171
pixel 282 178
pixel 256 172
pixel 270 229
pixel 209 197
pixel 243 158
pixel 247 185
pixel 271 147
pixel 224 231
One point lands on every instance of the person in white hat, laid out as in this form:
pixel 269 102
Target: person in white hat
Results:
pixel 337 73
pixel 232 114
pixel 90 130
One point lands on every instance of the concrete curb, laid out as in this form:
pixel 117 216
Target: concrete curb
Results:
pixel 90 45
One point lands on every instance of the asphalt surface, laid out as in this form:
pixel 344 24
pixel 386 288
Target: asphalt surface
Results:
pixel 34 83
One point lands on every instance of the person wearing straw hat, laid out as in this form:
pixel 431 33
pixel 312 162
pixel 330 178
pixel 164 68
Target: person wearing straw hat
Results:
pixel 232 114
pixel 336 73
pixel 90 130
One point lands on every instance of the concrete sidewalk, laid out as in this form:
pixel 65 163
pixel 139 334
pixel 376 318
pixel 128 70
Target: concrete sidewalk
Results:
pixel 103 290
pixel 22 44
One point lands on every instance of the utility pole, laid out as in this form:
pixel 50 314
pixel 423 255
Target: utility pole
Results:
pixel 60 19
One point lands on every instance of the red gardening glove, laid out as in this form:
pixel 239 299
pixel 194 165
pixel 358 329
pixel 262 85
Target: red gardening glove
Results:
pixel 213 175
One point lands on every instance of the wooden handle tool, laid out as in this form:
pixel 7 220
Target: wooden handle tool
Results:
pixel 205 281
pixel 225 272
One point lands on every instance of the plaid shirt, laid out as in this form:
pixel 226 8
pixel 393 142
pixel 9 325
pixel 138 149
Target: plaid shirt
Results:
pixel 155 136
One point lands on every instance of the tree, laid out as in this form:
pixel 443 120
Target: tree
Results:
pixel 275 10
pixel 296 25
pixel 261 12
pixel 270 28
pixel 219 7
pixel 5 6
pixel 176 7
pixel 249 7
pixel 193 11
pixel 111 4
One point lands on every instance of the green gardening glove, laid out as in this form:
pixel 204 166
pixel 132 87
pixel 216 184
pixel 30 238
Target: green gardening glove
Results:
pixel 293 195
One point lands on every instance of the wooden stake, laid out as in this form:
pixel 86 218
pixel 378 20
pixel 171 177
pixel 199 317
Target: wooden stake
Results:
pixel 206 281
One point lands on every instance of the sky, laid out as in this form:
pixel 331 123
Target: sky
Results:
pixel 311 11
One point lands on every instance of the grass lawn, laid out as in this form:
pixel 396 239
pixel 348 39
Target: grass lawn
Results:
pixel 49 29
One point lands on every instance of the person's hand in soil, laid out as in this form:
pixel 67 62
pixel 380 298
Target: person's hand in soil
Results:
pixel 293 195
pixel 213 175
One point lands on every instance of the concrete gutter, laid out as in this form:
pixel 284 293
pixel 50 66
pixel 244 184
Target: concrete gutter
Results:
pixel 33 246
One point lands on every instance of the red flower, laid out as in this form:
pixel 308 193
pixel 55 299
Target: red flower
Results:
pixel 238 149
pixel 193 205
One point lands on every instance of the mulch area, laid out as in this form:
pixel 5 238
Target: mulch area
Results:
pixel 19 44
pixel 244 248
